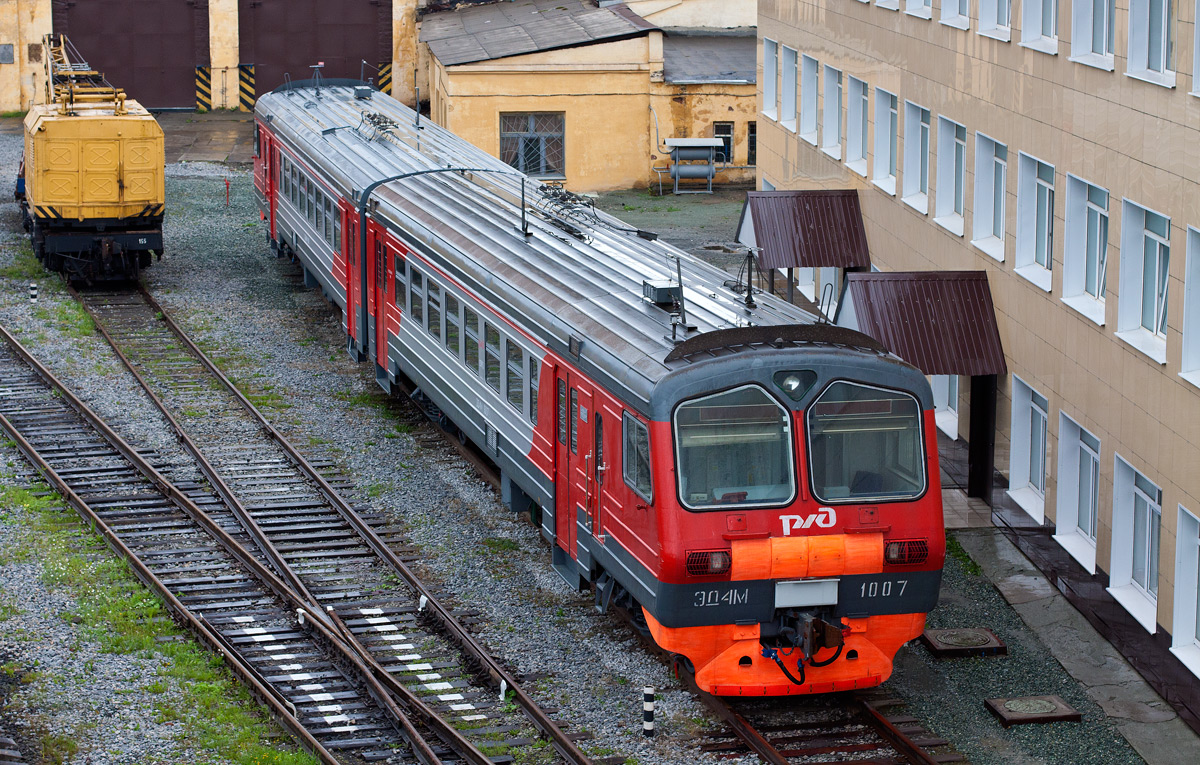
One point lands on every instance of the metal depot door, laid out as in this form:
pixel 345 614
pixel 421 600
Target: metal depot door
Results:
pixel 289 36
pixel 575 458
pixel 150 48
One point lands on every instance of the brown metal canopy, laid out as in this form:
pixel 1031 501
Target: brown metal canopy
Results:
pixel 943 322
pixel 804 229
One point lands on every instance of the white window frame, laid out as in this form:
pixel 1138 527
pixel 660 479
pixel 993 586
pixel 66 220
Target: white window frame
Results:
pixel 1152 41
pixel 887 129
pixel 888 5
pixel 831 112
pixel 1190 366
pixel 991 196
pixel 1035 221
pixel 807 127
pixel 945 403
pixel 956 13
pixel 787 96
pixel 1086 247
pixel 770 105
pixel 922 9
pixel 1093 35
pixel 1078 449
pixel 1135 237
pixel 1026 487
pixel 1039 25
pixel 1185 636
pixel 1196 53
pixel 950 202
pixel 917 126
pixel 857 127
pixel 995 19
pixel 1140 601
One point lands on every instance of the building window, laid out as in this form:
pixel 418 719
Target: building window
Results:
pixel 945 403
pixel 991 195
pixel 857 115
pixel 951 175
pixel 831 136
pixel 1185 637
pixel 890 5
pixel 787 96
pixel 1093 24
pixel 1152 40
pixel 1085 248
pixel 1137 518
pixel 887 124
pixel 1039 25
pixel 770 78
pixel 1035 221
pixel 1027 451
pixel 994 19
pixel 752 144
pixel 916 157
pixel 920 8
pixel 1190 369
pixel 1196 54
pixel 724 131
pixel 808 99
pixel 1145 263
pixel 1078 491
pixel 533 142
pixel 956 13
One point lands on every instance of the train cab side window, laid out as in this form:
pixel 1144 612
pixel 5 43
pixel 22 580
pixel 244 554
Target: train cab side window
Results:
pixel 635 456
pixel 435 310
pixel 562 412
pixel 491 356
pixel 865 445
pixel 416 301
pixel 452 322
pixel 471 341
pixel 574 421
pixel 257 140
pixel 533 390
pixel 599 465
pixel 514 377
pixel 401 282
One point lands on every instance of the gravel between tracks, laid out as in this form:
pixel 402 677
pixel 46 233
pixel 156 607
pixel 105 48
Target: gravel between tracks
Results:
pixel 221 282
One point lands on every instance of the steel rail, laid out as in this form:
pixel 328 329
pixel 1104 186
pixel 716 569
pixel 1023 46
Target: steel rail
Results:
pixel 907 748
pixel 368 673
pixel 741 728
pixel 562 743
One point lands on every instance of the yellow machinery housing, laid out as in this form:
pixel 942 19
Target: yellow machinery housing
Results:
pixel 92 186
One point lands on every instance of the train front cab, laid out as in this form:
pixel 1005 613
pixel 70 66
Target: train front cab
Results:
pixel 799 508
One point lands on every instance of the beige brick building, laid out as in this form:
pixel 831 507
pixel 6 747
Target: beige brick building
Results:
pixel 1054 144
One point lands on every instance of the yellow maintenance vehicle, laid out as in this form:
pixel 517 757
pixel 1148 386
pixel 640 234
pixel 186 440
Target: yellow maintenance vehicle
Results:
pixel 91 184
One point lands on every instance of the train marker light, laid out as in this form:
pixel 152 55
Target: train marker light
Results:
pixel 906 552
pixel 708 562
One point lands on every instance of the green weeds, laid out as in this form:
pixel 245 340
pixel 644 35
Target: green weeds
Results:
pixel 955 550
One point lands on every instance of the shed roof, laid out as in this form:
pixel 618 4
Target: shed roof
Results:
pixel 805 228
pixel 710 59
pixel 943 322
pixel 484 32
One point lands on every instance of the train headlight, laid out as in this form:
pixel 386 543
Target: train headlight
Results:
pixel 708 562
pixel 795 384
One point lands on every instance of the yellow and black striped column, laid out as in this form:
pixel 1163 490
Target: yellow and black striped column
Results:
pixel 246 95
pixel 203 88
pixel 385 77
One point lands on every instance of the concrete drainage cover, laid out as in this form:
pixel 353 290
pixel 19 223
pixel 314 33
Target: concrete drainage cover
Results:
pixel 1023 710
pixel 970 641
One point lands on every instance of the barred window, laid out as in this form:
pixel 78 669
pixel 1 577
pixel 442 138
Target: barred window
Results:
pixel 416 304
pixel 491 356
pixel 562 411
pixel 574 421
pixel 514 378
pixel 471 342
pixel 401 283
pixel 452 323
pixel 435 310
pixel 532 142
pixel 533 390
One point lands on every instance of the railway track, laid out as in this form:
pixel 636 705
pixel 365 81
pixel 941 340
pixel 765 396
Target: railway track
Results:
pixel 319 555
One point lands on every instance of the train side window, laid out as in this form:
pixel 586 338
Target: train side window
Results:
pixel 599 466
pixel 295 184
pixel 285 178
pixel 435 310
pixel 491 356
pixel 635 456
pixel 471 343
pixel 416 302
pixel 533 390
pixel 514 378
pixel 311 206
pixel 562 411
pixel 329 221
pixel 319 220
pixel 337 227
pixel 401 295
pixel 574 421
pixel 452 322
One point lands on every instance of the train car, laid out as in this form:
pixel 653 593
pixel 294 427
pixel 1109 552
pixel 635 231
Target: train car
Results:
pixel 760 487
pixel 91 184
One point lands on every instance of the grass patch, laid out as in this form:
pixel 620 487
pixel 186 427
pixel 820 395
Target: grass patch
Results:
pixel 25 267
pixel 498 544
pixel 56 748
pixel 13 114
pixel 955 550
pixel 8 611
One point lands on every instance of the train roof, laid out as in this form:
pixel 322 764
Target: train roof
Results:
pixel 560 283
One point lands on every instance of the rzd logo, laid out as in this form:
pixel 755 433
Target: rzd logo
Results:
pixel 825 518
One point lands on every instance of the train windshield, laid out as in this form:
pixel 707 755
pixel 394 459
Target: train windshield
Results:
pixel 865 445
pixel 734 448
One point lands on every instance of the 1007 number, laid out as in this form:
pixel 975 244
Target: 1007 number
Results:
pixel 883 589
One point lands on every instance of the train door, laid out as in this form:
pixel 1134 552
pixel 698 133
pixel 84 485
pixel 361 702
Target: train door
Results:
pixel 382 280
pixel 576 459
pixel 352 286
pixel 274 185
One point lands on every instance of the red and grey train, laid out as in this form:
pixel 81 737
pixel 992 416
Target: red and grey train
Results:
pixel 761 487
